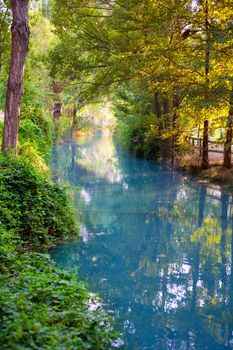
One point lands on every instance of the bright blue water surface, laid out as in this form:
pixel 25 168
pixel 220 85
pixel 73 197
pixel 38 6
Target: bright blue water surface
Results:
pixel 156 246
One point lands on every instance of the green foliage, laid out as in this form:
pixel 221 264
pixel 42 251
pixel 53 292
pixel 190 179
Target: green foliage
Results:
pixel 5 45
pixel 5 19
pixel 1 130
pixel 43 307
pixel 137 137
pixel 180 51
pixel 32 133
pixel 3 85
pixel 64 127
pixel 31 205
pixel 137 130
pixel 35 126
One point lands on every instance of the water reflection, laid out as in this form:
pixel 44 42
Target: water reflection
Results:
pixel 156 246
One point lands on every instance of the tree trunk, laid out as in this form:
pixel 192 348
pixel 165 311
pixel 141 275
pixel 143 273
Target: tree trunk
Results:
pixel 205 146
pixel 57 111
pixel 74 122
pixel 157 108
pixel 20 40
pixel 229 135
pixel 176 103
pixel 166 143
pixel 166 110
pixel 227 146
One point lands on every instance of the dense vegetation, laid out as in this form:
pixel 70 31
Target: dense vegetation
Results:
pixel 41 307
pixel 165 65
pixel 176 54
pixel 31 205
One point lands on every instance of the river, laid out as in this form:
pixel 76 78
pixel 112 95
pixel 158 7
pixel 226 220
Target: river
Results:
pixel 156 246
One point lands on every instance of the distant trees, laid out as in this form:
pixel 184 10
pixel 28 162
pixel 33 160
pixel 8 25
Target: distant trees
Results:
pixel 179 50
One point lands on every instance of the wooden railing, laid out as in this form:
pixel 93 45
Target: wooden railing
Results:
pixel 196 142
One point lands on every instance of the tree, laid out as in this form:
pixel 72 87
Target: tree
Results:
pixel 178 51
pixel 229 135
pixel 20 40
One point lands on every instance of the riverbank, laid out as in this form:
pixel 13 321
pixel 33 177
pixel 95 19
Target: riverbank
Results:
pixel 216 174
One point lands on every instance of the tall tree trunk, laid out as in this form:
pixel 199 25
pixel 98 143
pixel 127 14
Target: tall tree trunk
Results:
pixel 57 111
pixel 227 146
pixel 166 143
pixel 20 40
pixel 229 135
pixel 176 103
pixel 74 122
pixel 158 113
pixel 205 147
pixel 157 108
pixel 166 110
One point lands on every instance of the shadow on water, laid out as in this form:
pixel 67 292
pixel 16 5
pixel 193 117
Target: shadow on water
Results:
pixel 157 247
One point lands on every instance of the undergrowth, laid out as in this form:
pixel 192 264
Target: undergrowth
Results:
pixel 33 206
pixel 43 307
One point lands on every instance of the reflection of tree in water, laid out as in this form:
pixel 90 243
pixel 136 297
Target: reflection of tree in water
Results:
pixel 160 250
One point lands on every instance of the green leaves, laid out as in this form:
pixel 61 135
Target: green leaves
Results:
pixel 34 207
pixel 42 307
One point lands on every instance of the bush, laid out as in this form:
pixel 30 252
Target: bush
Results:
pixel 35 126
pixel 31 205
pixel 137 126
pixel 64 127
pixel 42 307
pixel 138 137
pixel 1 131
pixel 31 133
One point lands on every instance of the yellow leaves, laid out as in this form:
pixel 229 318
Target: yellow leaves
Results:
pixel 42 34
pixel 177 211
pixel 31 154
pixel 209 235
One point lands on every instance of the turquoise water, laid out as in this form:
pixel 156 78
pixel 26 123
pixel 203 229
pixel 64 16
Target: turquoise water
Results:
pixel 156 246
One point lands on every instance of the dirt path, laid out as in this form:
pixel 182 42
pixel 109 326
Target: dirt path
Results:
pixel 217 157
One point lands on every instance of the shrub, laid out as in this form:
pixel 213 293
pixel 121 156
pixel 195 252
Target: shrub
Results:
pixel 42 307
pixel 139 137
pixel 1 131
pixel 32 109
pixel 137 126
pixel 31 133
pixel 30 204
pixel 35 126
pixel 64 127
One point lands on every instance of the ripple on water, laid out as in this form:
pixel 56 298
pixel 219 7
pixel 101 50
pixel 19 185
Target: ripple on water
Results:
pixel 156 246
